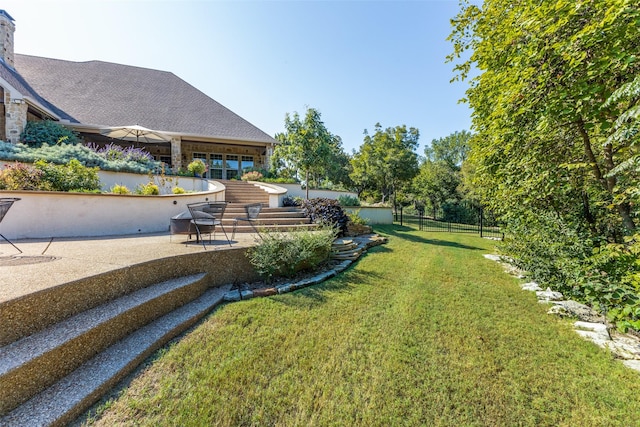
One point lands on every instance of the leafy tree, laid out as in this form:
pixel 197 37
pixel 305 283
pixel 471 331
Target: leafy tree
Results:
pixel 545 73
pixel 554 150
pixel 386 161
pixel 438 183
pixel 452 149
pixel 308 150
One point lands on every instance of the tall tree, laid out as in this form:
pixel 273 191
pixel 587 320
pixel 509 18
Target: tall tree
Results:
pixel 387 160
pixel 308 149
pixel 451 149
pixel 439 180
pixel 555 108
pixel 546 70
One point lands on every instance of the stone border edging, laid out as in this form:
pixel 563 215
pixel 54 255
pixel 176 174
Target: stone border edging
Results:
pixel 363 242
pixel 590 325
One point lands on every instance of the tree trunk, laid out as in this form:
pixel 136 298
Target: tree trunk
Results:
pixel 306 181
pixel 624 209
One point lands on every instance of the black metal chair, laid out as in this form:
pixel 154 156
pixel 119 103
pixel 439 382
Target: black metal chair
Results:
pixel 217 209
pixel 252 211
pixel 5 205
pixel 205 216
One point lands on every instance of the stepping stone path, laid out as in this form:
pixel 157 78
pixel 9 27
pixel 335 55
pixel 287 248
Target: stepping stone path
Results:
pixel 346 250
pixel 590 325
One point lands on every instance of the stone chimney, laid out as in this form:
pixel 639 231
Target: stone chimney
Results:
pixel 7 28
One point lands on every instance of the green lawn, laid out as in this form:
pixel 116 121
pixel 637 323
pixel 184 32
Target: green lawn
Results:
pixel 421 331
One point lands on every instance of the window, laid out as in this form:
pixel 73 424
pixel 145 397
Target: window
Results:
pixel 216 161
pixel 216 166
pixel 247 162
pixel 201 156
pixel 232 165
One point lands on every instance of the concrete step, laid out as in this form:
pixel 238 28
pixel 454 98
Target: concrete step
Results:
pixel 239 207
pixel 282 218
pixel 230 221
pixel 244 192
pixel 33 363
pixel 74 394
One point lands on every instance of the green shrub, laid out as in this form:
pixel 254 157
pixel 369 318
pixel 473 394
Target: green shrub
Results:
pixel 288 201
pixel 47 132
pixel 280 180
pixel 346 200
pixel 327 212
pixel 251 176
pixel 120 189
pixel 19 176
pixel 197 167
pixel 149 189
pixel 70 177
pixel 46 176
pixel 178 190
pixel 285 254
pixel 356 219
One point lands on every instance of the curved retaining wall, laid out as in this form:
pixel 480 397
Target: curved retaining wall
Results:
pixel 46 214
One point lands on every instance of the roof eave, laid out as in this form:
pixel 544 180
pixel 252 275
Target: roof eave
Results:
pixel 35 104
pixel 80 127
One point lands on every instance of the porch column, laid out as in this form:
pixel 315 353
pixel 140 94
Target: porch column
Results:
pixel 176 153
pixel 15 117
pixel 267 157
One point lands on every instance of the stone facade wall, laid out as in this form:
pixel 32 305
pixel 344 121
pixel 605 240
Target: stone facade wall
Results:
pixel 176 153
pixel 191 147
pixel 15 117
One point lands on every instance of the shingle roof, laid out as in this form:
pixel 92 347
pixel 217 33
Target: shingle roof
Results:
pixel 19 83
pixel 107 94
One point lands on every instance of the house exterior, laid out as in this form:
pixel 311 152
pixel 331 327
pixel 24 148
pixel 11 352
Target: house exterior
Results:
pixel 94 95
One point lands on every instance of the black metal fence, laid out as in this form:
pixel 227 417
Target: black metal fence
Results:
pixel 461 218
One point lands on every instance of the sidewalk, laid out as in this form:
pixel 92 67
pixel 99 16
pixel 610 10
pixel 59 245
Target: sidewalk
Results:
pixel 48 263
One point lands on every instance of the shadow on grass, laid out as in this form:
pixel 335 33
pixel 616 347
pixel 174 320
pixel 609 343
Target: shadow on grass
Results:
pixel 403 232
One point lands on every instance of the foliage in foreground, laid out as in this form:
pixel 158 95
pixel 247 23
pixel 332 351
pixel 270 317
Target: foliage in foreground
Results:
pixel 451 341
pixel 556 109
pixel 44 176
pixel 284 254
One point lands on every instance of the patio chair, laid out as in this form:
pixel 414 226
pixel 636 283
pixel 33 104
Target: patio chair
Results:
pixel 205 216
pixel 5 204
pixel 202 221
pixel 252 211
pixel 216 209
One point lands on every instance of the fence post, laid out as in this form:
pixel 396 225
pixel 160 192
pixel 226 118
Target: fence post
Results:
pixel 400 216
pixel 481 221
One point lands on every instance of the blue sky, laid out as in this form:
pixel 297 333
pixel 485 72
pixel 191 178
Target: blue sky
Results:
pixel 357 62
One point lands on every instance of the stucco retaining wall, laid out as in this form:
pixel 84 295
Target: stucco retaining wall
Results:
pixel 373 215
pixel 46 214
pixel 296 190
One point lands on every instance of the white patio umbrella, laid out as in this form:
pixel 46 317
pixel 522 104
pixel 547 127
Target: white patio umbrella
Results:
pixel 135 133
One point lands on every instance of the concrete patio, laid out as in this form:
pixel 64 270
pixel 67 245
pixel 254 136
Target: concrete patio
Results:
pixel 48 263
